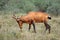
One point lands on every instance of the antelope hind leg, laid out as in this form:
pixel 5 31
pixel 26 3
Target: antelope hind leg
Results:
pixel 48 27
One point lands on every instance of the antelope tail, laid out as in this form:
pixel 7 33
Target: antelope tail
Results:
pixel 49 17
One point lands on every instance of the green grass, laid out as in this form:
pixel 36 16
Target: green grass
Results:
pixel 9 30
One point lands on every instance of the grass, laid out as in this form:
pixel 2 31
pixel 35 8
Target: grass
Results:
pixel 9 30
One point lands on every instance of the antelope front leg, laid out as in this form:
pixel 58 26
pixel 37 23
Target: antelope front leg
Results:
pixel 34 27
pixel 29 27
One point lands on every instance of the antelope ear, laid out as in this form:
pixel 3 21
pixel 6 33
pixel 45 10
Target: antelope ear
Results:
pixel 18 19
pixel 21 16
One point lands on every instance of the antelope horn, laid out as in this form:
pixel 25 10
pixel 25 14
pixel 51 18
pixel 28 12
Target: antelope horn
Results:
pixel 14 16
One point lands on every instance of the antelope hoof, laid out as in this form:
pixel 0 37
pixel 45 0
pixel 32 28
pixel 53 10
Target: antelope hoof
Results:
pixel 35 32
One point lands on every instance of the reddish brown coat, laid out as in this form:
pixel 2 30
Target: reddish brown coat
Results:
pixel 36 17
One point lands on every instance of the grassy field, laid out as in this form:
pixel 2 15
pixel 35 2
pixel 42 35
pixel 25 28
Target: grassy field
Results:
pixel 9 30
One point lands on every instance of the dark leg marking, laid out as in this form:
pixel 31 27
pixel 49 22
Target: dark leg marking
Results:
pixel 34 26
pixel 48 27
pixel 29 27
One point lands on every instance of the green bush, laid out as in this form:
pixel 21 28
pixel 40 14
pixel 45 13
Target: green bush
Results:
pixel 50 6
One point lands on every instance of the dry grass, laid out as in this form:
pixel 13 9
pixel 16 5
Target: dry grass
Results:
pixel 9 30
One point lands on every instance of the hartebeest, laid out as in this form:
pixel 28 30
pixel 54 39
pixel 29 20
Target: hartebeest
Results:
pixel 32 18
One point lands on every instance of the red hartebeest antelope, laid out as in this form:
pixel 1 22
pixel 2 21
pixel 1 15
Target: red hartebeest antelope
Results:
pixel 32 18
